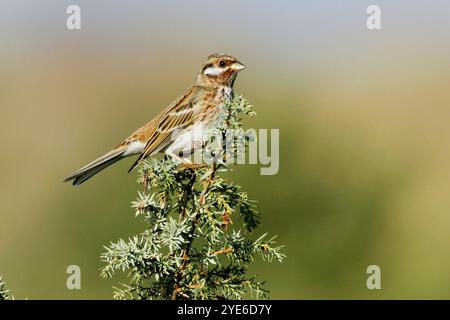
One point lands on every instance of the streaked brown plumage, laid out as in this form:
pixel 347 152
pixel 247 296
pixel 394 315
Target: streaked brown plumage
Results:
pixel 171 131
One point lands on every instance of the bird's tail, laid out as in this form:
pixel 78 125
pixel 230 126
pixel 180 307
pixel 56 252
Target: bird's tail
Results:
pixel 95 167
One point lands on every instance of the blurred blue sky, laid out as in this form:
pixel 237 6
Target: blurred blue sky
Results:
pixel 292 31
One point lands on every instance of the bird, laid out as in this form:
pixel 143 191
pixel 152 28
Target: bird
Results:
pixel 175 131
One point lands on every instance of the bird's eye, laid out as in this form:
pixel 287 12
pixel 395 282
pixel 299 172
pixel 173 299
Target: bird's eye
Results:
pixel 222 63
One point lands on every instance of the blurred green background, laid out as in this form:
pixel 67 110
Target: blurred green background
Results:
pixel 364 126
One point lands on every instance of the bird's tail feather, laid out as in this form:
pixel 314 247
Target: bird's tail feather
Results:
pixel 95 167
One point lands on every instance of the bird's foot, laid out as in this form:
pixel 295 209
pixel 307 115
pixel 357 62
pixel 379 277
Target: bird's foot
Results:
pixel 193 166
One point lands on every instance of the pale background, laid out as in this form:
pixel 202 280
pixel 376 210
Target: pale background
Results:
pixel 364 127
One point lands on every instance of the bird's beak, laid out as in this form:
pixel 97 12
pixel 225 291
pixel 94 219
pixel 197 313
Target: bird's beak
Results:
pixel 237 66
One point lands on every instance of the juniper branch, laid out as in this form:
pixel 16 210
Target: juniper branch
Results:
pixel 4 293
pixel 189 250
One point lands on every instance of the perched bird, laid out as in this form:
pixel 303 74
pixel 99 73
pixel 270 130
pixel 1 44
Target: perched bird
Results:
pixel 177 130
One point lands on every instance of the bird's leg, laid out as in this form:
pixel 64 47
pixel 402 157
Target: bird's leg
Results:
pixel 186 163
pixel 191 165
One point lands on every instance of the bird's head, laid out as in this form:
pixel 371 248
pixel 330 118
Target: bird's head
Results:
pixel 219 69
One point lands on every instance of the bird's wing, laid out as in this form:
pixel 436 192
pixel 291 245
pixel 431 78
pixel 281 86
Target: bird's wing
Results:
pixel 176 117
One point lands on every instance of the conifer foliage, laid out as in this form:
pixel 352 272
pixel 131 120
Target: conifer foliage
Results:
pixel 199 236
pixel 4 293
